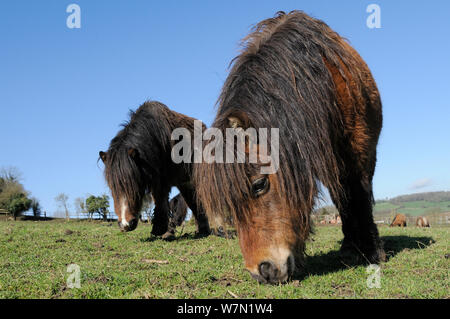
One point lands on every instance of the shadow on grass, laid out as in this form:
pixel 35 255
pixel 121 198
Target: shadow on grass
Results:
pixel 333 261
pixel 395 244
pixel 185 236
pixel 35 218
pixel 230 234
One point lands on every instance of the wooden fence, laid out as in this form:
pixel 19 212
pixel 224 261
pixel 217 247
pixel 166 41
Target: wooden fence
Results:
pixel 438 219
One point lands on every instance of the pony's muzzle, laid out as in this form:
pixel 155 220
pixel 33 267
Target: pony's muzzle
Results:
pixel 269 272
pixel 128 226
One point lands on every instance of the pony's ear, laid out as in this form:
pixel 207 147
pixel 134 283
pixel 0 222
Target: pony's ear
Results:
pixel 234 122
pixel 133 153
pixel 102 156
pixel 238 119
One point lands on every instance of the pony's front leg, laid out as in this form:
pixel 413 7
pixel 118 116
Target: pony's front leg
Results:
pixel 160 219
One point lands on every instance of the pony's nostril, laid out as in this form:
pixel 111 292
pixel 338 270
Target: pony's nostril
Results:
pixel 268 271
pixel 132 224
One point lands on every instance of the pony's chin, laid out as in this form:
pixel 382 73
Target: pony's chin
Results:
pixel 263 280
pixel 269 272
pixel 129 226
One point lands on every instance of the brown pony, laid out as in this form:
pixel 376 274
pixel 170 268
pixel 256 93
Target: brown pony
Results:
pixel 299 76
pixel 399 220
pixel 138 162
pixel 422 222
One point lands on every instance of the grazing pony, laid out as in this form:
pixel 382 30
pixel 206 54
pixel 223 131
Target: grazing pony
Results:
pixel 422 222
pixel 138 162
pixel 299 76
pixel 399 220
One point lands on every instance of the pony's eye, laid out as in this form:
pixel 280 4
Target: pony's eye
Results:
pixel 260 186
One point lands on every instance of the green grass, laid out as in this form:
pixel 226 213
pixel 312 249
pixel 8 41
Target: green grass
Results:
pixel 34 257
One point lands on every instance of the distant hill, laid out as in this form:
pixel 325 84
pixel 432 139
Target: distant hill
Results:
pixel 415 204
pixel 419 204
pixel 434 197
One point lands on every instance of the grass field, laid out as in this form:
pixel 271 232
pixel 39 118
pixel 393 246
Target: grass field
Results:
pixel 34 257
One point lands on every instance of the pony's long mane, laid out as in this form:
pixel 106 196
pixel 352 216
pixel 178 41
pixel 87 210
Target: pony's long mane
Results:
pixel 148 133
pixel 281 80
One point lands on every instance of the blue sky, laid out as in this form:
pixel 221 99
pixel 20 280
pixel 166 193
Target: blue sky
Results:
pixel 64 92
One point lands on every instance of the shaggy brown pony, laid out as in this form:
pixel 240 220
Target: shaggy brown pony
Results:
pixel 399 220
pixel 138 162
pixel 298 75
pixel 422 222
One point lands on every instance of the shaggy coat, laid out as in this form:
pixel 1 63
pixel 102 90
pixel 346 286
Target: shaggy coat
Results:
pixel 139 162
pixel 298 75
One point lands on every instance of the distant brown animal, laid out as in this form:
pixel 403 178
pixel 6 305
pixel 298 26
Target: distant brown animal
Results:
pixel 422 222
pixel 399 220
pixel 335 221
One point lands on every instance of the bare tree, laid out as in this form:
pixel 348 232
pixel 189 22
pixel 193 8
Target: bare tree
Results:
pixel 147 208
pixel 11 174
pixel 80 206
pixel 62 200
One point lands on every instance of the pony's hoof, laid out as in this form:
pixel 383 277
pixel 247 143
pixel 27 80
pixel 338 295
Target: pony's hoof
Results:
pixel 202 234
pixel 351 252
pixel 219 232
pixel 348 249
pixel 378 256
pixel 168 236
pixel 158 231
